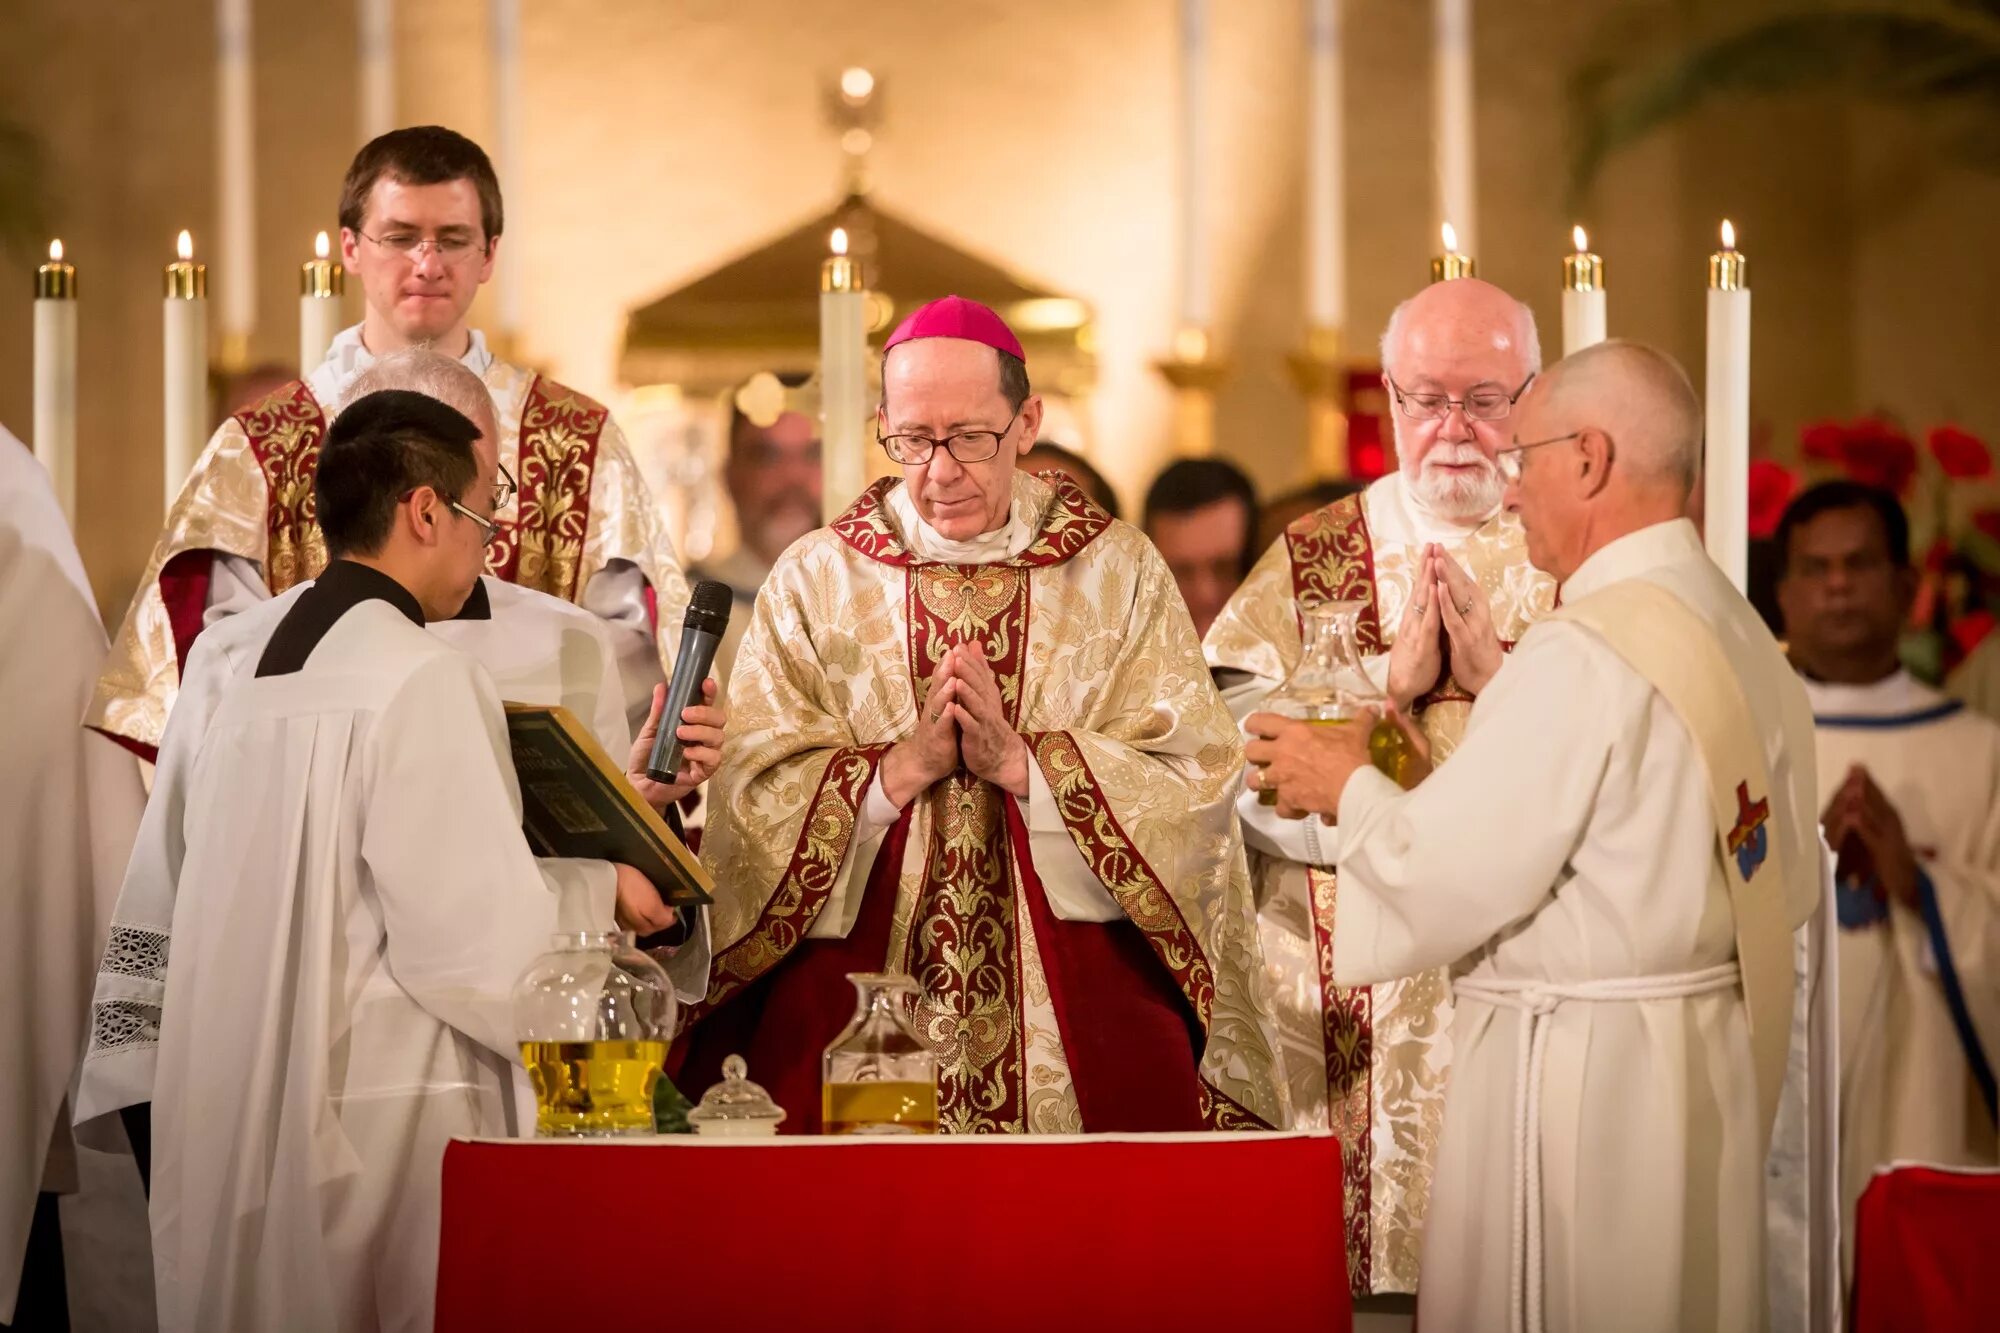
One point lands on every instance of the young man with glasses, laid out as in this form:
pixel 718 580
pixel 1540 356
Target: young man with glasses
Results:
pixel 421 221
pixel 1446 586
pixel 974 741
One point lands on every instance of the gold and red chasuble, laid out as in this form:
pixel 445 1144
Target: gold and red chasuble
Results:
pixel 1378 1055
pixel 251 495
pixel 953 898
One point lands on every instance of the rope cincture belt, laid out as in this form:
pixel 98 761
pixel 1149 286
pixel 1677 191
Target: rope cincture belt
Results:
pixel 1537 1000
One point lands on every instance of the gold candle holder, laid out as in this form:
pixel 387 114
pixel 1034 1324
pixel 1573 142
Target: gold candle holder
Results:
pixel 321 276
pixel 1582 271
pixel 55 280
pixel 1196 373
pixel 840 273
pixel 1452 264
pixel 1728 269
pixel 186 280
pixel 1320 372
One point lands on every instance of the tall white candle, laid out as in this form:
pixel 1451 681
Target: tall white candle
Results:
pixel 321 283
pixel 1451 117
pixel 1197 301
pixel 377 52
pixel 843 379
pixel 1726 469
pixel 504 37
pixel 186 337
pixel 1326 205
pixel 55 376
pixel 235 119
pixel 1584 312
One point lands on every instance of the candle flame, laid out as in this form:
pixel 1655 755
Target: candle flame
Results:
pixel 856 83
pixel 55 252
pixel 185 247
pixel 320 247
pixel 839 240
pixel 1728 234
pixel 1450 238
pixel 1582 240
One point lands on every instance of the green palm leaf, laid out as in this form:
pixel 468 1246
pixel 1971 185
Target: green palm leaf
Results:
pixel 1945 60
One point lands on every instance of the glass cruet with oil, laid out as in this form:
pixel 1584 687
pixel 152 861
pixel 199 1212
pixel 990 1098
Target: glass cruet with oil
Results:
pixel 878 1076
pixel 1330 688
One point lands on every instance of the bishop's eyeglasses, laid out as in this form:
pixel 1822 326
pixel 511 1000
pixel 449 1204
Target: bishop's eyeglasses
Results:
pixel 967 446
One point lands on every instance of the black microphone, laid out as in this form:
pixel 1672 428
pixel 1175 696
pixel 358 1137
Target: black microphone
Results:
pixel 701 634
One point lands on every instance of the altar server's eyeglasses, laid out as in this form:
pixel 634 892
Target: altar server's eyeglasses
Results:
pixel 487 526
pixel 967 446
pixel 1509 460
pixel 504 489
pixel 1480 405
pixel 411 246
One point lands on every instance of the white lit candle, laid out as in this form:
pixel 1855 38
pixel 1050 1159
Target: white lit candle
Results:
pixel 1453 262
pixel 504 37
pixel 186 336
pixel 1197 301
pixel 55 375
pixel 1326 206
pixel 322 281
pixel 1451 116
pixel 1726 468
pixel 377 51
pixel 843 371
pixel 1583 296
pixel 235 120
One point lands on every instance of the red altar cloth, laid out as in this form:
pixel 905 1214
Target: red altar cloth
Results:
pixel 974 1235
pixel 1925 1241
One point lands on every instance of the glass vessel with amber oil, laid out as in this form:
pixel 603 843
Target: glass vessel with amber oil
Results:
pixel 594 1015
pixel 878 1077
pixel 1329 688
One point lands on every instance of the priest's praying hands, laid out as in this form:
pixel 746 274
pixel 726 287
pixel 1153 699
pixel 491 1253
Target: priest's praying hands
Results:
pixel 930 754
pixel 1308 766
pixel 700 732
pixel 1446 606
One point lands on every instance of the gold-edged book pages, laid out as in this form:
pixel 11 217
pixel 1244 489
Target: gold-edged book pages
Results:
pixel 576 802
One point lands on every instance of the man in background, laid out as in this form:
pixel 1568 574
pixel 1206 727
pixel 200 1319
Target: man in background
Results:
pixel 1201 513
pixel 1911 786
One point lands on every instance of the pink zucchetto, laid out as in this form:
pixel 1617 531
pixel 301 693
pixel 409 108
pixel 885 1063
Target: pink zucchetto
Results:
pixel 956 317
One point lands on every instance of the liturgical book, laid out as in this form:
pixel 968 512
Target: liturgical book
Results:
pixel 576 802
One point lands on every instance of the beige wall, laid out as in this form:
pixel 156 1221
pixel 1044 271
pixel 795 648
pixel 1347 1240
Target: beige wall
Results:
pixel 661 139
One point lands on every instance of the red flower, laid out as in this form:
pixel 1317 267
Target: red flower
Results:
pixel 1875 453
pixel 1772 486
pixel 1959 452
pixel 1969 629
pixel 1825 441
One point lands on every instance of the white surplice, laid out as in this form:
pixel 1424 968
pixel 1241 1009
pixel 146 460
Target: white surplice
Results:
pixel 1919 986
pixel 1570 842
pixel 538 649
pixel 69 805
pixel 356 901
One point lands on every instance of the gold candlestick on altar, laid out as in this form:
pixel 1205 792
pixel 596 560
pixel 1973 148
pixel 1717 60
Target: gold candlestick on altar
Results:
pixel 1196 373
pixel 322 282
pixel 1451 264
pixel 1320 371
pixel 186 336
pixel 55 376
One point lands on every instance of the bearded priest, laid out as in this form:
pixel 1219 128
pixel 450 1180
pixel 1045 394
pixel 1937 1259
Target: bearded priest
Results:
pixel 420 225
pixel 1443 578
pixel 974 741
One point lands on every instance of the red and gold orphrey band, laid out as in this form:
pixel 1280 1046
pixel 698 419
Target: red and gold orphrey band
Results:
pixel 1333 560
pixel 541 548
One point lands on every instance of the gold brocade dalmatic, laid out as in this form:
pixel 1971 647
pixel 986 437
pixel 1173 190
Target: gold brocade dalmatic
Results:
pixel 1368 1062
pixel 582 503
pixel 1099 670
